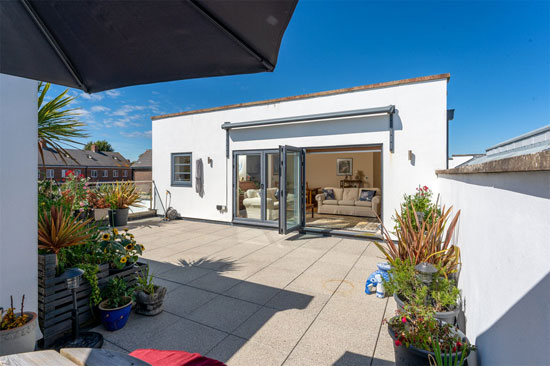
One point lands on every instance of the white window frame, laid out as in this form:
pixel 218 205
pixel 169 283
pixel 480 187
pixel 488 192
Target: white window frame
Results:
pixel 64 173
pixel 125 173
pixel 181 183
pixel 49 173
pixel 105 173
pixel 115 173
pixel 93 173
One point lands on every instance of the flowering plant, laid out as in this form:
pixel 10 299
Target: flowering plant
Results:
pixel 422 203
pixel 120 247
pixel 417 326
pixel 75 191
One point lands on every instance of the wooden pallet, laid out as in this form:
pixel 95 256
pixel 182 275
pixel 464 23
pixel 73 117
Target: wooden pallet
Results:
pixel 55 301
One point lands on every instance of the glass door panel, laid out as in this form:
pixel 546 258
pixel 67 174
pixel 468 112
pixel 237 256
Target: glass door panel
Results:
pixel 272 187
pixel 291 201
pixel 248 202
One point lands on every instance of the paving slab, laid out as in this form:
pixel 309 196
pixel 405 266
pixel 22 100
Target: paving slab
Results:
pixel 235 351
pixel 186 299
pixel 224 313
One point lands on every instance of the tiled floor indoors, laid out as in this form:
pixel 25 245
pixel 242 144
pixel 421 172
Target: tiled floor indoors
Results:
pixel 249 296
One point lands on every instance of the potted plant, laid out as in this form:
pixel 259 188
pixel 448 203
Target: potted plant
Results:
pixel 17 330
pixel 96 199
pixel 121 249
pixel 59 229
pixel 114 311
pixel 442 295
pixel 120 197
pixel 149 297
pixel 417 335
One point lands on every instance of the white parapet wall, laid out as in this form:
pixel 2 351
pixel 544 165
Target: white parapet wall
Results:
pixel 503 234
pixel 420 139
pixel 18 191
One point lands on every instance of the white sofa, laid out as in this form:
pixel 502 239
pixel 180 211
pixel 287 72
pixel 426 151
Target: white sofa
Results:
pixel 347 202
pixel 253 203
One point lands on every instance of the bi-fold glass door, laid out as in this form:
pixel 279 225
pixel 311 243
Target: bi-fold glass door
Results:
pixel 269 187
pixel 256 186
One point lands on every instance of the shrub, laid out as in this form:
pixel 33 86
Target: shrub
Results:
pixel 58 229
pixel 116 292
pixel 121 248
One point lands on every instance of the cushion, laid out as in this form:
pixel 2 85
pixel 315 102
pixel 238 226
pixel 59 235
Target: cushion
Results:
pixel 174 358
pixel 363 203
pixel 350 194
pixel 366 194
pixel 252 193
pixel 329 194
pixel 346 203
pixel 330 202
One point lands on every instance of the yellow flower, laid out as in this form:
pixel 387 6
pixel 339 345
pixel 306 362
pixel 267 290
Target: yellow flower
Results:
pixel 106 236
pixel 129 247
pixel 123 259
pixel 105 250
pixel 126 229
pixel 115 231
pixel 131 235
pixel 142 248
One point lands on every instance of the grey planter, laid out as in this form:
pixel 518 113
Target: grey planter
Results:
pixel 412 356
pixel 446 316
pixel 118 217
pixel 150 304
pixel 21 339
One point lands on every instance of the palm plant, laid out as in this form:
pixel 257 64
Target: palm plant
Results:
pixel 57 124
pixel 123 195
pixel 59 229
pixel 429 243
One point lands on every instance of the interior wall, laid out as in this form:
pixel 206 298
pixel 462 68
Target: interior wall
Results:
pixel 321 168
pixel 377 168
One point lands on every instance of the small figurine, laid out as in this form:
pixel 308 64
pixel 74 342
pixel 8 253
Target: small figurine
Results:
pixel 372 283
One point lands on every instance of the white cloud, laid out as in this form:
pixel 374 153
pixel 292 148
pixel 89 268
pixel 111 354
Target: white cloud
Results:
pixel 113 93
pixel 127 109
pixel 94 97
pixel 100 108
pixel 136 134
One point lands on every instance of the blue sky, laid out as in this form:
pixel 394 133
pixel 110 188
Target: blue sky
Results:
pixel 498 54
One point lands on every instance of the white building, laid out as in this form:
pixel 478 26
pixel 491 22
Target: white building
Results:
pixel 391 136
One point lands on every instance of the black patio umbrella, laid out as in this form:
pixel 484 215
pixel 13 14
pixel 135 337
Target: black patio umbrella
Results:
pixel 100 45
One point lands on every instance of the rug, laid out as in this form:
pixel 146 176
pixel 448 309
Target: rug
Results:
pixel 174 358
pixel 340 222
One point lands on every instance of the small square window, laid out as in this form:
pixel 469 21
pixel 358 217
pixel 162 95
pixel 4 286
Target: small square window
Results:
pixel 94 173
pixel 105 173
pixel 125 173
pixel 115 173
pixel 182 169
pixel 49 173
pixel 77 172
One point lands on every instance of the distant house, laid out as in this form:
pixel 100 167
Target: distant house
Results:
pixel 99 166
pixel 142 168
pixel 142 171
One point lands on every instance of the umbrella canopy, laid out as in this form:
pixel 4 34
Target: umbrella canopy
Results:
pixel 100 45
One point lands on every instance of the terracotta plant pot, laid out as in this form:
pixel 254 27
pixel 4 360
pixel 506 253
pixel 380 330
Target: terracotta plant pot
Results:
pixel 150 304
pixel 115 319
pixel 20 339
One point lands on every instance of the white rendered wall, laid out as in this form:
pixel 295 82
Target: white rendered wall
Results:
pixel 18 191
pixel 503 234
pixel 420 126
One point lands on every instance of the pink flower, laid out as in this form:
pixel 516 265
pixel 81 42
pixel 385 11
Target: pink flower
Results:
pixel 81 209
pixel 82 203
pixel 426 188
pixel 403 320
pixel 397 343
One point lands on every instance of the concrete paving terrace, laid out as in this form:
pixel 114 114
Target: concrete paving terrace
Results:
pixel 249 296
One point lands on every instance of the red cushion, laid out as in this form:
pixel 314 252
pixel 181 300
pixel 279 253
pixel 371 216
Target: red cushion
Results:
pixel 174 358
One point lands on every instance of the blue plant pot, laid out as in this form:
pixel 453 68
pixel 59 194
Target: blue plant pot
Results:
pixel 114 319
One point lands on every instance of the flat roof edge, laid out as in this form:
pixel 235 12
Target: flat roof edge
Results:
pixel 539 161
pixel 538 131
pixel 310 95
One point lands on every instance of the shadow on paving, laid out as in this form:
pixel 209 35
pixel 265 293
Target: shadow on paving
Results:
pixel 351 358
pixel 197 318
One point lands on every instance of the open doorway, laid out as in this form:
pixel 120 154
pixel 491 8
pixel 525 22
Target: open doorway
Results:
pixel 344 188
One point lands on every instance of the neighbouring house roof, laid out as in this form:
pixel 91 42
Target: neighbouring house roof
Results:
pixel 528 152
pixel 83 158
pixel 311 95
pixel 144 161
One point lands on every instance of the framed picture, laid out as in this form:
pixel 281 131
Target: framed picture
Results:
pixel 344 166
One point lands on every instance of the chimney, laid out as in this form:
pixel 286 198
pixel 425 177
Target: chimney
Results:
pixel 93 148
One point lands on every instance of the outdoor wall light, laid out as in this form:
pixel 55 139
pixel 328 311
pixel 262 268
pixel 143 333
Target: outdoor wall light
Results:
pixel 210 161
pixel 410 155
pixel 77 339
